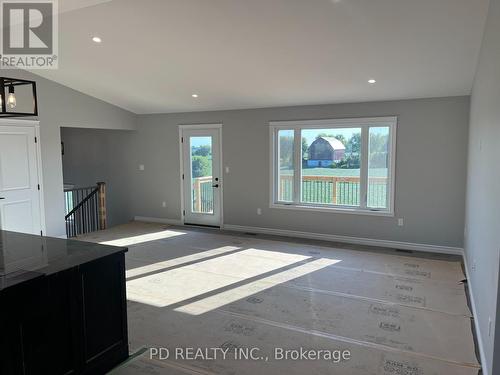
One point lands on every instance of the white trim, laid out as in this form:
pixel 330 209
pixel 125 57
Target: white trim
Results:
pixel 479 336
pixel 147 219
pixel 222 181
pixel 272 163
pixel 297 161
pixel 324 237
pixel 350 240
pixel 391 201
pixel 332 209
pixel 221 167
pixel 363 169
pixel 365 123
pixel 348 122
pixel 38 154
pixel 12 122
pixel 201 126
pixel 181 171
pixel 40 179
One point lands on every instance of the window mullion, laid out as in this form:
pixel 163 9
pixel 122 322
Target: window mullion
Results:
pixel 363 194
pixel 297 172
pixel 276 164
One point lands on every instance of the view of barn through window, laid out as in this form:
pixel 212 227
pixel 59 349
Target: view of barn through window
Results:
pixel 330 166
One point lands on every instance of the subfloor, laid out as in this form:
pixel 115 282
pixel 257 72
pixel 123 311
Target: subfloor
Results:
pixel 229 303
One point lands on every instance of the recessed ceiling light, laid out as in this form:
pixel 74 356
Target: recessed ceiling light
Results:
pixel 194 95
pixel 372 81
pixel 96 39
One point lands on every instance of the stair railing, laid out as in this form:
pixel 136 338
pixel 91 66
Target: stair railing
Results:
pixel 85 209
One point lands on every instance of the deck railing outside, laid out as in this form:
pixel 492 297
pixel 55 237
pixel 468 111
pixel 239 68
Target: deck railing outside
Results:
pixel 202 195
pixel 337 190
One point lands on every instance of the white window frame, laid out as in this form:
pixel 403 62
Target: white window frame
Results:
pixel 364 124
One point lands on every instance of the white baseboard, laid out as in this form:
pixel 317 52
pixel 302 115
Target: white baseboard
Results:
pixel 321 236
pixel 62 236
pixel 479 336
pixel 158 220
pixel 350 240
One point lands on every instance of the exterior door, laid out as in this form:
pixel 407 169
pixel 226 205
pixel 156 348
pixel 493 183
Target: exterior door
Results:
pixel 19 190
pixel 201 176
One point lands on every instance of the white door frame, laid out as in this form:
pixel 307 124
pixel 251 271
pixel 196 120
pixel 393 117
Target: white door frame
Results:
pixel 35 124
pixel 181 170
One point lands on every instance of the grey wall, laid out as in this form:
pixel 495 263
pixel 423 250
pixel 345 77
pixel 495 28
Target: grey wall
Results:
pixel 85 159
pixel 482 239
pixel 430 175
pixel 62 106
pixel 92 155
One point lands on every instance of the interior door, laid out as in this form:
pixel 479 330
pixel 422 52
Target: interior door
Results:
pixel 19 195
pixel 202 177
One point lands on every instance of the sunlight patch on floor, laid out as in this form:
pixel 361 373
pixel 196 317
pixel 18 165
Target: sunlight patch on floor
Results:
pixel 174 286
pixel 216 301
pixel 134 240
pixel 248 263
pixel 137 271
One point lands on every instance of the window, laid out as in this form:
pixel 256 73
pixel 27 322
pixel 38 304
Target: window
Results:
pixel 345 165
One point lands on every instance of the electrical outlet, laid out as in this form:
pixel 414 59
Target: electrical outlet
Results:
pixel 490 326
pixel 141 167
pixel 401 222
pixel 227 169
pixel 473 265
pixel 259 211
pixel 164 204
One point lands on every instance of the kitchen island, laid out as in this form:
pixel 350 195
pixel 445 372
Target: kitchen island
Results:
pixel 62 306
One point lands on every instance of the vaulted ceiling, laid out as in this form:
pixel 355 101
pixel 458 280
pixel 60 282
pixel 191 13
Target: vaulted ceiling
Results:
pixel 155 54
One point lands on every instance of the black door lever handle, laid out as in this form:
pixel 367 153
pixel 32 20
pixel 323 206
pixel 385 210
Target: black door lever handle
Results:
pixel 2 198
pixel 215 186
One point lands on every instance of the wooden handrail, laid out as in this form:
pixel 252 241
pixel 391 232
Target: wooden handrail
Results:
pixel 103 222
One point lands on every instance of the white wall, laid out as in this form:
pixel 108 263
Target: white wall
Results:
pixel 482 239
pixel 430 170
pixel 62 106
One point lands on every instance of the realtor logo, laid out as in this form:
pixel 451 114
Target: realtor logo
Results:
pixel 29 34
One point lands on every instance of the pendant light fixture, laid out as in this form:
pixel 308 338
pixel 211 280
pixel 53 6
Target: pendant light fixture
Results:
pixel 17 97
pixel 11 100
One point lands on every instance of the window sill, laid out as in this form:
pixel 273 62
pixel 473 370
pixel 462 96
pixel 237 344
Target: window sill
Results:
pixel 333 210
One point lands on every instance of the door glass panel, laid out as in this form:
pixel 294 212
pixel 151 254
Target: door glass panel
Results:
pixel 202 193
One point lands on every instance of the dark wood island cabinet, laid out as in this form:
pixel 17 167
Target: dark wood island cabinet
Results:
pixel 62 306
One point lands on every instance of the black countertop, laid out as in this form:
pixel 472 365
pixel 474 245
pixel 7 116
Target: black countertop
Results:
pixel 24 257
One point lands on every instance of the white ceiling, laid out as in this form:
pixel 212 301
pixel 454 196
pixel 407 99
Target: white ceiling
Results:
pixel 262 53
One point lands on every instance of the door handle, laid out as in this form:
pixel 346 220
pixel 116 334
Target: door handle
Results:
pixel 215 186
pixel 2 198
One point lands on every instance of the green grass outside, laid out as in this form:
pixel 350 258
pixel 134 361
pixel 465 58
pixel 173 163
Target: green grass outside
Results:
pixel 338 172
